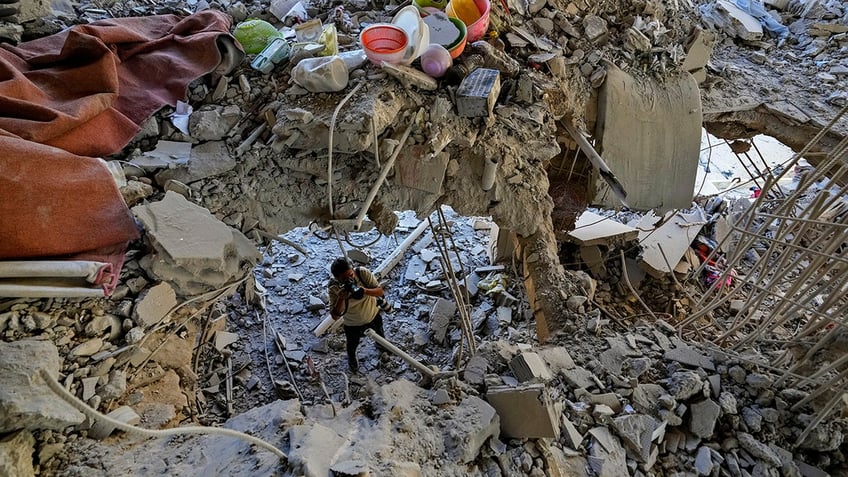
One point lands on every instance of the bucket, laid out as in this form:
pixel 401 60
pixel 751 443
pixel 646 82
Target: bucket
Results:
pixel 424 6
pixel 474 13
pixel 383 42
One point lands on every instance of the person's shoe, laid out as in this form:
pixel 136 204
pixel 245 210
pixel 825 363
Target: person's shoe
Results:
pixel 353 368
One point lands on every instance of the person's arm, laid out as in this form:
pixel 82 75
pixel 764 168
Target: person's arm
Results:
pixel 370 284
pixel 338 297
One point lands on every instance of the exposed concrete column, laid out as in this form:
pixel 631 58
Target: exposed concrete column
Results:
pixel 544 279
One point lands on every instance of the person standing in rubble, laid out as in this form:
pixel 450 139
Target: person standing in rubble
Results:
pixel 356 297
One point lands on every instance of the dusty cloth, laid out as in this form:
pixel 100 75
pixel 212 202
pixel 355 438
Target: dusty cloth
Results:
pixel 70 97
pixel 362 311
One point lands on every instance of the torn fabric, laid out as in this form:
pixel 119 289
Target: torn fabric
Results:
pixel 68 98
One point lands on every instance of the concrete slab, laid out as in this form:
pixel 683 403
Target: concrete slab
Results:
pixel 206 160
pixel 740 23
pixel 191 236
pixel 525 412
pixel 194 251
pixel 662 248
pixel 649 135
pixel 441 315
pixel 594 229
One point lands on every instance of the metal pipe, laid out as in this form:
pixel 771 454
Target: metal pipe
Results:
pixel 394 349
pixel 48 290
pixel 382 177
pixel 51 268
pixel 597 161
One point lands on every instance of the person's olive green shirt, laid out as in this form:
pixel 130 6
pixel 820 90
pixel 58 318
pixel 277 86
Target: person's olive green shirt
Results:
pixel 362 311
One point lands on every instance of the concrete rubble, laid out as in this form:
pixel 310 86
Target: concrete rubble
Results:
pixel 194 251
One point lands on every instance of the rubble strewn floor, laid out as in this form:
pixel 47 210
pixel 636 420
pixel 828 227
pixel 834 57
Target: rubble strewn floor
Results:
pixel 582 366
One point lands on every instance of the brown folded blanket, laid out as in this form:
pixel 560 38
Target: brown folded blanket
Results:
pixel 76 95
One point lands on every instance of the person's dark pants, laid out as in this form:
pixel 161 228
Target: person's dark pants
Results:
pixel 354 333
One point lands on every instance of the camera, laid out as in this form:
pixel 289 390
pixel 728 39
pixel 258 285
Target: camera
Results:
pixel 355 291
pixel 385 305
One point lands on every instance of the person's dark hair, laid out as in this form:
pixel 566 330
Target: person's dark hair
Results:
pixel 339 266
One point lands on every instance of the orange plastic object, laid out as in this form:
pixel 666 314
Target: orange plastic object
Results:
pixel 384 42
pixel 456 48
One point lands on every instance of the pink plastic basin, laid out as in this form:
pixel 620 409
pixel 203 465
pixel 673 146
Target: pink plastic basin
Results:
pixel 474 13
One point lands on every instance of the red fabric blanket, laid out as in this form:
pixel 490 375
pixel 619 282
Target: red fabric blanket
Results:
pixel 76 95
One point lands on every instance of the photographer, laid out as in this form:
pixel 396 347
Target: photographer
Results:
pixel 354 295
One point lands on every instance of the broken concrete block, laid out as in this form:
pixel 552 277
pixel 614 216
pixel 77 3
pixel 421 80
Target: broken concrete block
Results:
pixel 359 256
pixel 16 454
pixel 475 370
pixel 685 384
pixel 315 303
pixel 646 397
pixel 573 438
pixel 699 50
pixel 758 450
pixel 704 417
pixel 689 356
pixel 594 27
pixel 557 359
pixel 440 317
pixel 167 154
pixel 578 377
pixel 193 251
pixel 504 315
pixel 478 92
pixel 224 339
pixel 312 449
pixel 212 123
pixel 102 429
pixel 606 455
pixel 481 423
pixel 734 21
pixel 525 412
pixel 530 367
pixel 87 348
pixel 209 159
pixel 154 304
pixel 637 431
pixel 25 400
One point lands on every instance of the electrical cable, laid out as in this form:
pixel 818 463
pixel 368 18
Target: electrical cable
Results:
pixel 138 431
